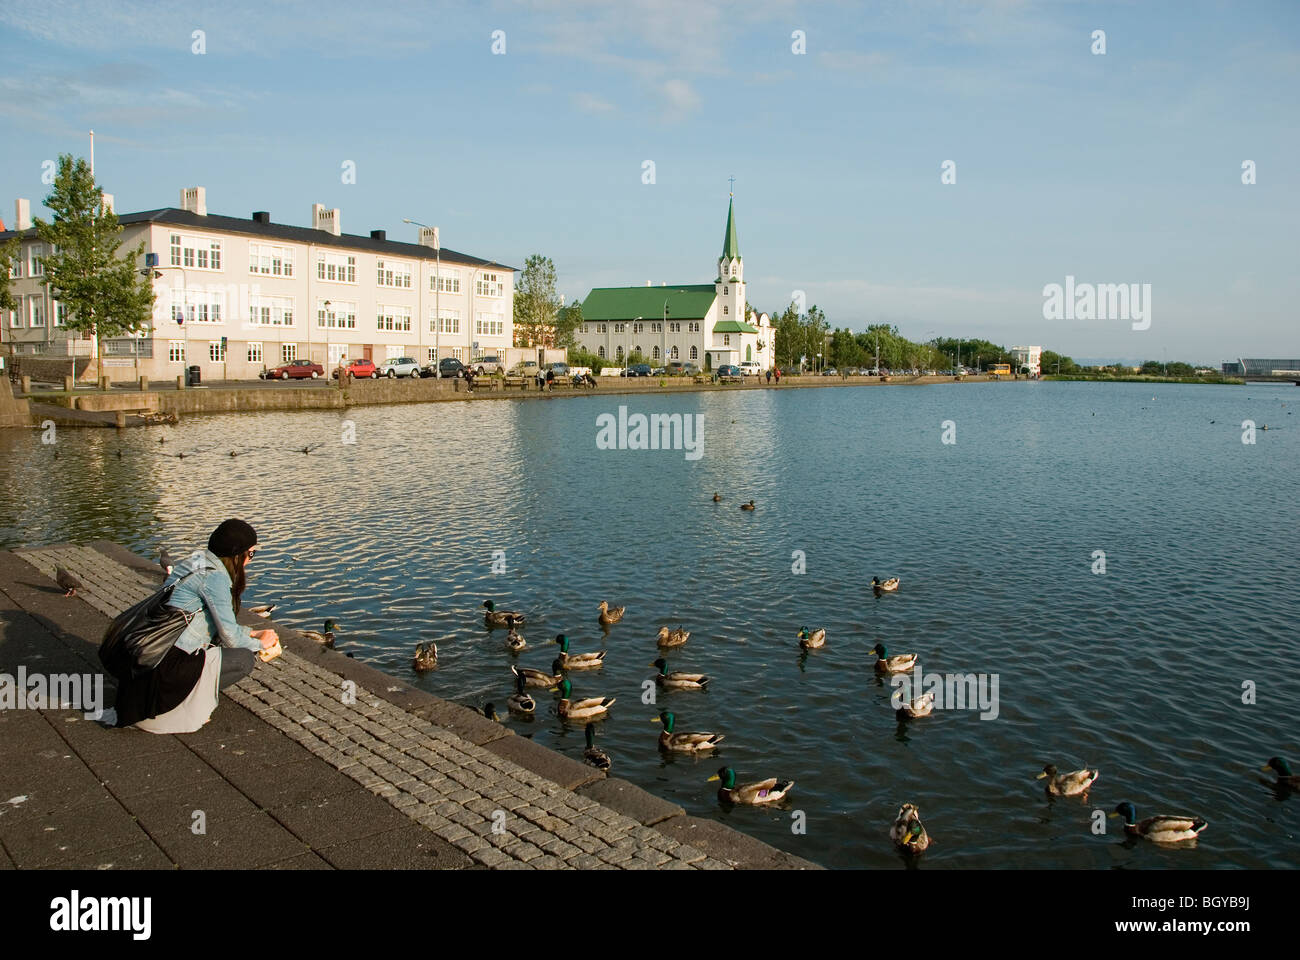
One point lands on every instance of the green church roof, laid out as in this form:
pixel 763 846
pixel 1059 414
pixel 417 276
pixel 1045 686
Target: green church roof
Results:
pixel 685 302
pixel 734 326
pixel 730 246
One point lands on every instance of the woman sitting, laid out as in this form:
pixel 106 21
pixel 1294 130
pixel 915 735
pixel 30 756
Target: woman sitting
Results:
pixel 214 651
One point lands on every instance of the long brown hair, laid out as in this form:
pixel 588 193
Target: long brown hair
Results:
pixel 235 567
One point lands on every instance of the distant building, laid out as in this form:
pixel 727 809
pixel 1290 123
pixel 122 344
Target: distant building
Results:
pixel 705 323
pixel 1262 368
pixel 1031 357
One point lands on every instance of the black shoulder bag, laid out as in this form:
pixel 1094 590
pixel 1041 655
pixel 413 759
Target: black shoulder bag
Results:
pixel 138 638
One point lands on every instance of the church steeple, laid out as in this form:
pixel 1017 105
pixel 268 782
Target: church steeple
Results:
pixel 729 265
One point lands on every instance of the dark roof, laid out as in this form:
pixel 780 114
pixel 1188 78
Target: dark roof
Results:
pixel 284 231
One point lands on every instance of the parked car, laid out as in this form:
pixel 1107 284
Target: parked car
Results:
pixel 487 365
pixel 525 368
pixel 729 373
pixel 682 368
pixel 830 372
pixel 399 367
pixel 358 368
pixel 636 370
pixel 751 368
pixel 447 368
pixel 558 369
pixel 659 372
pixel 299 369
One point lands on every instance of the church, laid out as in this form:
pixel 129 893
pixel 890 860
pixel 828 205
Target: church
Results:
pixel 703 323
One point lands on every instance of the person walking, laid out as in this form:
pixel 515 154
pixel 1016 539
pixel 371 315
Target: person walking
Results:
pixel 778 376
pixel 769 376
pixel 213 651
pixel 550 378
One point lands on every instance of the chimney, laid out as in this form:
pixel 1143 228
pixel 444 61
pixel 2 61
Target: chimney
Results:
pixel 327 220
pixel 378 235
pixel 22 214
pixel 195 200
pixel 261 216
pixel 429 237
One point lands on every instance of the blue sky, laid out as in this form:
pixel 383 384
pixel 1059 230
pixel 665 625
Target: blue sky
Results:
pixel 1119 168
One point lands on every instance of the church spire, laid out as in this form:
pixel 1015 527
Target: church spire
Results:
pixel 730 248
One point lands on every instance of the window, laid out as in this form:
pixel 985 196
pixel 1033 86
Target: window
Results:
pixel 288 352
pixel 36 311
pixel 432 354
pixel 394 318
pixel 450 322
pixel 604 328
pixel 15 318
pixel 675 354
pixel 34 266
pixel 695 353
pixel 393 273
pixel 270 260
pixel 726 339
pixel 199 253
pixel 60 313
pixel 724 291
pixel 338 353
pixel 618 327
pixel 254 353
pixel 657 327
pixel 395 352
pixel 175 351
pixel 489 325
pixel 196 305
pixel 338 267
pixel 601 352
pixel 636 328
pixel 695 326
pixel 270 311
pixel 725 309
pixel 584 328
pixel 489 285
pixel 216 351
pixel 456 352
pixel 655 353
pixel 674 328
pixel 339 315
pixel 15 267
pixel 618 353
pixel 446 281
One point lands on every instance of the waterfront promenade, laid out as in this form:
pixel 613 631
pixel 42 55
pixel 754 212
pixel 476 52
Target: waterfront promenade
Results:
pixel 316 761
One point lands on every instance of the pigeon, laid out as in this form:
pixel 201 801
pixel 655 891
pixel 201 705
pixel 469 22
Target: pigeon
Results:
pixel 165 561
pixel 67 581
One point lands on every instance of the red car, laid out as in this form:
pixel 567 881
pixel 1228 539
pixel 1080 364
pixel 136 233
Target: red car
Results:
pixel 296 370
pixel 359 368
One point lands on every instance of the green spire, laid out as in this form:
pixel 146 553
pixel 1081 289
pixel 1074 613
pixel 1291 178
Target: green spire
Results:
pixel 730 248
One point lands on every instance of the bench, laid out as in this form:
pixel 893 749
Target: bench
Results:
pixel 701 378
pixel 520 382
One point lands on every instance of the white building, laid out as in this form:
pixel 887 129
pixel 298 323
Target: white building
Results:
pixel 254 294
pixel 704 322
pixel 1031 357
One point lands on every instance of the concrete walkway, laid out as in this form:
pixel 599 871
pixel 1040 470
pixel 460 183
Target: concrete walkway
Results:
pixel 315 761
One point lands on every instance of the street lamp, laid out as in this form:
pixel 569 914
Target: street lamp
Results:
pixel 328 319
pixel 437 291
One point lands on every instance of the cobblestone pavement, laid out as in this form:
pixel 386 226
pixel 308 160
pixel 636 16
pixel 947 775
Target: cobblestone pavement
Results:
pixel 500 814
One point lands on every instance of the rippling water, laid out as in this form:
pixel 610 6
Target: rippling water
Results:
pixel 1138 672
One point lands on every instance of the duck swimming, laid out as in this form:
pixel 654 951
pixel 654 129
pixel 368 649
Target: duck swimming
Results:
pixel 587 708
pixel 672 638
pixel 494 618
pixel 1068 784
pixel 679 679
pixel 609 615
pixel 577 661
pixel 426 657
pixel 887 664
pixel 813 640
pixel 683 742
pixel 325 639
pixel 908 833
pixel 770 790
pixel 884 586
pixel 1162 828
pixel 596 757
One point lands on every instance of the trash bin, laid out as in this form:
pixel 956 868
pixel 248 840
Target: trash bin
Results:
pixel 195 375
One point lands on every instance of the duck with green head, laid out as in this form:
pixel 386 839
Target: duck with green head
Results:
pixel 887 664
pixel 325 639
pixel 671 740
pixel 761 792
pixel 1163 828
pixel 596 757
pixel 811 640
pixel 577 661
pixel 519 701
pixel 494 618
pixel 588 708
pixel 538 678
pixel 908 832
pixel 884 586
pixel 1285 778
pixel 426 657
pixel 679 679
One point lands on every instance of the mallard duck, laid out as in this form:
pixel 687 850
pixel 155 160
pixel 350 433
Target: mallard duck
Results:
pixel 884 586
pixel 519 701
pixel 683 742
pixel 426 657
pixel 888 664
pixel 1068 784
pixel 610 615
pixel 537 678
pixel 921 706
pixel 1285 778
pixel 908 832
pixel 597 758
pixel 587 708
pixel 515 641
pixel 489 711
pixel 770 790
pixel 325 639
pixel 1161 829
pixel 577 661
pixel 165 559
pixel 67 581
pixel 501 618
pixel 679 679
pixel 263 611
pixel 747 506
pixel 810 641
pixel 716 498
pixel 672 638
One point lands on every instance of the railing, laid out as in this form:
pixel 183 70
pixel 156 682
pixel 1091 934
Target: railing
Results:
pixel 128 347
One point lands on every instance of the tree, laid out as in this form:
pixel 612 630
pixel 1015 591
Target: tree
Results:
pixel 786 333
pixel 813 332
pixel 537 305
pixel 10 253
pixel 567 322
pixel 104 294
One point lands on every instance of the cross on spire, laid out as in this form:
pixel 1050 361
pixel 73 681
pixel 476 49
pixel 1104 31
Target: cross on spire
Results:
pixel 732 181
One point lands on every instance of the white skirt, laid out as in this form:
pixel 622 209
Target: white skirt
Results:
pixel 195 710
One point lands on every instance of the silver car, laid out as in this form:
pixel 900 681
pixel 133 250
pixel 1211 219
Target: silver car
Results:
pixel 399 367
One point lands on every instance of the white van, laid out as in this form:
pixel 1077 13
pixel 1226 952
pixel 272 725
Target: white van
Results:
pixel 750 368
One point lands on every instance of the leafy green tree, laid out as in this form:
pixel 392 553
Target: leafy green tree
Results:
pixel 537 305
pixel 104 294
pixel 1051 359
pixel 786 333
pixel 846 350
pixel 10 253
pixel 567 322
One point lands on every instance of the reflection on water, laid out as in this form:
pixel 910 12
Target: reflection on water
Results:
pixel 1138 671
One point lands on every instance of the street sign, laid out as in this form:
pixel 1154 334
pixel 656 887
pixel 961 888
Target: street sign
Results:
pixel 223 344
pixel 151 259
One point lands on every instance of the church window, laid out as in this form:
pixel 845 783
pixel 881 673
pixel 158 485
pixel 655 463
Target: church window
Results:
pixel 619 353
pixel 725 310
pixel 601 352
pixel 655 353
pixel 675 354
pixel 725 291
pixel 695 353
pixel 726 339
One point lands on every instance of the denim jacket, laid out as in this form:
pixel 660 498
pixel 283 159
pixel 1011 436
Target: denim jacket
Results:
pixel 208 592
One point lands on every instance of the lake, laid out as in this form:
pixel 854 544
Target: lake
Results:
pixel 1138 671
